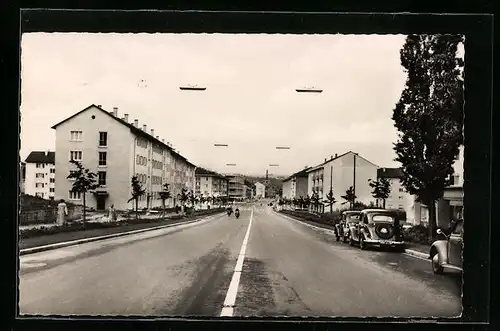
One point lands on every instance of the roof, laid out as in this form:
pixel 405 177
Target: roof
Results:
pixel 132 128
pixel 301 173
pixel 206 172
pixel 41 157
pixel 389 173
pixel 335 158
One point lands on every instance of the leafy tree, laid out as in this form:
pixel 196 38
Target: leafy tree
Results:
pixel 330 200
pixel 307 201
pixel 429 116
pixel 315 200
pixel 165 195
pixel 137 192
pixel 349 197
pixel 381 189
pixel 84 181
pixel 183 197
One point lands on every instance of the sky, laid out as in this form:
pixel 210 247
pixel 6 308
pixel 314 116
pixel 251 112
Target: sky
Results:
pixel 249 103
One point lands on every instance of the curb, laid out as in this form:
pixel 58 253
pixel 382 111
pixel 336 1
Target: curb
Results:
pixel 44 248
pixel 407 251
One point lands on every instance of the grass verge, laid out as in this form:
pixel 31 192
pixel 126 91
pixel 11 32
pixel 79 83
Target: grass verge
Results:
pixel 35 237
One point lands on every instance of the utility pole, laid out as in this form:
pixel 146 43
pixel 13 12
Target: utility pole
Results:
pixel 354 181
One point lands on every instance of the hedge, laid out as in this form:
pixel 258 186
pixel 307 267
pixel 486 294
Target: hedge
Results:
pixel 417 234
pixel 70 227
pixel 326 218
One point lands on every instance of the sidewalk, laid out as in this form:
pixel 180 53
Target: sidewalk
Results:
pixel 42 240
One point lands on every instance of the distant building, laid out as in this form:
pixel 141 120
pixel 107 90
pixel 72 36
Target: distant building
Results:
pixel 416 212
pixel 451 205
pixel 339 173
pixel 295 186
pixel 249 189
pixel 236 187
pixel 22 176
pixel 210 183
pixel 116 150
pixel 40 172
pixel 260 190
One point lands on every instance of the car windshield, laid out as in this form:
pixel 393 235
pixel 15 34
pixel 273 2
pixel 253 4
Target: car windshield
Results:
pixel 382 218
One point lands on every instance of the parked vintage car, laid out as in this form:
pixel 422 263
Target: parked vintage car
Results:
pixel 446 254
pixel 347 218
pixel 378 228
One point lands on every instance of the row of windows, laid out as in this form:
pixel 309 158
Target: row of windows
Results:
pixel 141 160
pixel 78 156
pixel 75 155
pixel 157 164
pixel 142 143
pixel 78 136
pixel 155 180
pixel 41 166
pixel 142 178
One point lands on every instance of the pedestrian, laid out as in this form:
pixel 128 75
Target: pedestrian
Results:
pixel 112 213
pixel 62 212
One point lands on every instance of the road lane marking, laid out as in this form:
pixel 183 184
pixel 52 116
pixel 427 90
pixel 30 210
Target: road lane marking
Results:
pixel 228 308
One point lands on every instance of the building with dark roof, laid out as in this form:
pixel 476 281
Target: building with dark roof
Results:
pixel 39 174
pixel 340 172
pixel 117 149
pixel 210 183
pixel 295 186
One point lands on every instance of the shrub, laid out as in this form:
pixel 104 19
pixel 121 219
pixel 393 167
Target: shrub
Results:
pixel 418 234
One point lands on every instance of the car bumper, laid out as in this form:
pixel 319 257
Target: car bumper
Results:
pixel 384 243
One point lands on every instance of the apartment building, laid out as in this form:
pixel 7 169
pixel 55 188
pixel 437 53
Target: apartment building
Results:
pixel 260 190
pixel 40 174
pixel 296 185
pixel 116 150
pixel 450 206
pixel 340 172
pixel 210 183
pixel 236 187
pixel 399 198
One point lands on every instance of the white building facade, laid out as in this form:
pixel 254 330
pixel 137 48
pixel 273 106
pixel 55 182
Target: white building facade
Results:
pixel 116 150
pixel 260 190
pixel 340 173
pixel 40 174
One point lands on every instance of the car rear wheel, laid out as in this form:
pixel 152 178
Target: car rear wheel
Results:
pixel 437 268
pixel 351 242
pixel 362 243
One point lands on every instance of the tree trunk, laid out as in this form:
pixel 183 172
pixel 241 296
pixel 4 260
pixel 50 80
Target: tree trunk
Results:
pixel 383 203
pixel 84 211
pixel 331 208
pixel 163 205
pixel 432 219
pixel 136 208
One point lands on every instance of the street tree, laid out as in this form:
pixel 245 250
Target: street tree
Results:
pixel 165 195
pixel 330 200
pixel 349 197
pixel 315 200
pixel 307 201
pixel 429 117
pixel 137 192
pixel 381 189
pixel 84 181
pixel 183 198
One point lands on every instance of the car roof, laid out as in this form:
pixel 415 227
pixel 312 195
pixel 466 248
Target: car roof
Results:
pixel 351 212
pixel 378 211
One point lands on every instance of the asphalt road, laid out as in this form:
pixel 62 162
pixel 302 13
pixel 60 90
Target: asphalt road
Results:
pixel 289 269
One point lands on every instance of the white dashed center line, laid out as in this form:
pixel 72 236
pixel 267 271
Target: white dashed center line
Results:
pixel 228 308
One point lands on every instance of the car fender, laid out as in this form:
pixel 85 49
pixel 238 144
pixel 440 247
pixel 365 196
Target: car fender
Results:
pixel 441 247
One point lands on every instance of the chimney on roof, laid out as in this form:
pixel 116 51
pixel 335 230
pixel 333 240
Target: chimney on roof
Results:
pixel 144 127
pixel 158 137
pixel 125 117
pixel 325 159
pixel 153 132
pixel 336 154
pixel 136 123
pixel 163 140
pixel 100 106
pixel 331 157
pixel 115 111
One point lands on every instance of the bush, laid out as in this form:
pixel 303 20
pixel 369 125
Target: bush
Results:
pixel 418 234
